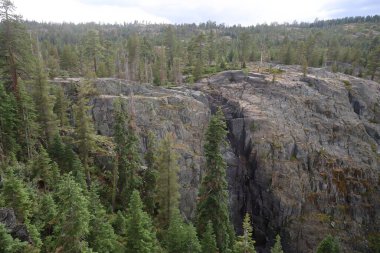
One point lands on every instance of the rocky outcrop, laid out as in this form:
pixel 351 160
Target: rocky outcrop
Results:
pixel 303 154
pixel 17 230
pixel 183 112
pixel 307 155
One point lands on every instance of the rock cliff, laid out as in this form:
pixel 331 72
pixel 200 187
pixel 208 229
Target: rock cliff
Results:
pixel 303 154
pixel 307 155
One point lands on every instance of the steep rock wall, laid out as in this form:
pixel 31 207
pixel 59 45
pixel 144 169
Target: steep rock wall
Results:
pixel 308 155
pixel 303 155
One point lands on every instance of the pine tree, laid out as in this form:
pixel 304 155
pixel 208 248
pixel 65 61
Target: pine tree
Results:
pixel 245 243
pixel 126 177
pixel 277 248
pixel 177 70
pixel 52 61
pixel 198 69
pixel 167 195
pixel 28 129
pixel 16 194
pixel 150 175
pixel 102 237
pixel 244 46
pixel 69 59
pixel 198 48
pixel 74 165
pixel 133 47
pixel 44 170
pixel 208 241
pixel 34 235
pixel 160 67
pixel 211 47
pixel 46 217
pixel 170 44
pixel 57 153
pixel 310 48
pixel 333 50
pixel 61 107
pixel 67 160
pixel 108 59
pixel 120 224
pixel 8 124
pixel 93 49
pixel 133 177
pixel 84 130
pixel 329 245
pixel 213 193
pixel 8 244
pixel 303 58
pixel 374 62
pixel 181 237
pixel 141 237
pixel 15 50
pixel 120 139
pixel 74 216
pixel 288 57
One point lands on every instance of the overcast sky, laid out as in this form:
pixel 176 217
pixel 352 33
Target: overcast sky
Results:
pixel 244 12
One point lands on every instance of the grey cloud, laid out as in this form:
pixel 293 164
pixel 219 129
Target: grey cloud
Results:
pixel 177 13
pixel 354 8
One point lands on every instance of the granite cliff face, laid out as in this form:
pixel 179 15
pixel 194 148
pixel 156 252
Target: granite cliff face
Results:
pixel 303 154
pixel 307 155
pixel 182 111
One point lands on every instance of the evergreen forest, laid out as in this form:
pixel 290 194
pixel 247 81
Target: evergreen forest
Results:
pixel 51 179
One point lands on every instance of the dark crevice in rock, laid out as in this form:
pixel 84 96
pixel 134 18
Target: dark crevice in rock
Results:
pixel 354 103
pixel 247 196
pixel 371 131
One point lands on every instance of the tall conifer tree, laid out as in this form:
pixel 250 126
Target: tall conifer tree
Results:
pixel 167 182
pixel 126 174
pixel 8 124
pixel 74 216
pixel 141 237
pixel 15 50
pixel 44 105
pixel 150 175
pixel 101 237
pixel 213 195
pixel 84 129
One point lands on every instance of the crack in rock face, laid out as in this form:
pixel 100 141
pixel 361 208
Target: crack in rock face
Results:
pixel 306 156
pixel 303 153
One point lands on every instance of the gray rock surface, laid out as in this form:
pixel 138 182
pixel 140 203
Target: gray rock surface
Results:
pixel 181 111
pixel 303 154
pixel 308 157
pixel 17 230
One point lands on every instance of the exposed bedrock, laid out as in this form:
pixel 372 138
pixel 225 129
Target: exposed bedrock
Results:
pixel 307 156
pixel 303 154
